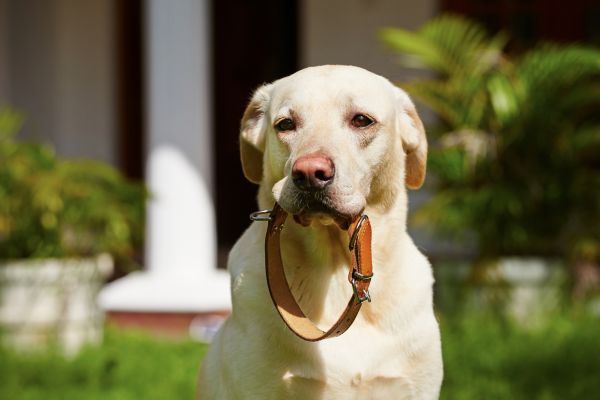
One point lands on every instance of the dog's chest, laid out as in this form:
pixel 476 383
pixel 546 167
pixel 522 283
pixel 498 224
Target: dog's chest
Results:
pixel 353 367
pixel 358 384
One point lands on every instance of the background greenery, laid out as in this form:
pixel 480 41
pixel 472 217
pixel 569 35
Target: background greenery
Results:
pixel 515 160
pixel 485 358
pixel 54 207
pixel 515 157
pixel 127 366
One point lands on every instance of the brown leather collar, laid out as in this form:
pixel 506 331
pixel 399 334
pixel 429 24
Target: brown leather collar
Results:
pixel 359 275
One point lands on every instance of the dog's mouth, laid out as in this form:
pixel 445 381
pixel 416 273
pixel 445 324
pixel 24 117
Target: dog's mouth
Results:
pixel 336 204
pixel 324 214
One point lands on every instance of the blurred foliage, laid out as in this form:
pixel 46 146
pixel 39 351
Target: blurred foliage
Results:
pixel 516 155
pixel 490 358
pixel 528 299
pixel 126 366
pixel 50 207
pixel 484 358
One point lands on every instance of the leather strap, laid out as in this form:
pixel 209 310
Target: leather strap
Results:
pixel 360 274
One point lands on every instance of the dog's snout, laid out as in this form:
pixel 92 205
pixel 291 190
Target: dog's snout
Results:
pixel 313 172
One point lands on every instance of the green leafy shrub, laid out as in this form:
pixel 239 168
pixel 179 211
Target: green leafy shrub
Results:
pixel 52 207
pixel 516 154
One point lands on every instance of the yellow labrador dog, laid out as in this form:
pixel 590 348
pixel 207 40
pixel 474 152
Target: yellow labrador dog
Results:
pixel 328 143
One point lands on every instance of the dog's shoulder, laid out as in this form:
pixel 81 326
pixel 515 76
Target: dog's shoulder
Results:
pixel 246 265
pixel 247 253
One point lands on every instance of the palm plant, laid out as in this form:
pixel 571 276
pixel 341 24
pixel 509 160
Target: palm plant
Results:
pixel 516 153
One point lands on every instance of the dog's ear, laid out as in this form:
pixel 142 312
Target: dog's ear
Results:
pixel 252 134
pixel 414 141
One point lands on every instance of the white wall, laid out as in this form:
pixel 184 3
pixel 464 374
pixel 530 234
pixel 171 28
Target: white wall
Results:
pixel 58 69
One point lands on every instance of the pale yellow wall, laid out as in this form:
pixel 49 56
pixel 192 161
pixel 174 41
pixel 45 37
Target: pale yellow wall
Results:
pixel 345 31
pixel 86 72
pixel 30 64
pixel 4 88
pixel 58 68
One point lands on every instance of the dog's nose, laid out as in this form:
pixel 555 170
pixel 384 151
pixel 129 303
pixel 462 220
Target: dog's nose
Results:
pixel 313 172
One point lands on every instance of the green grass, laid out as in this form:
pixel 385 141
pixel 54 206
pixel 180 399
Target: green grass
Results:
pixel 485 358
pixel 127 366
pixel 490 359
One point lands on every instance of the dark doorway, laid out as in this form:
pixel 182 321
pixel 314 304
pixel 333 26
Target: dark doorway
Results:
pixel 253 42
pixel 530 21
pixel 130 82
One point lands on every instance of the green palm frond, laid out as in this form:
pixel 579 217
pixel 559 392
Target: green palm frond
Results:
pixel 462 104
pixel 560 93
pixel 439 97
pixel 552 68
pixel 584 100
pixel 587 139
pixel 538 116
pixel 448 44
pixel 506 96
pixel 560 80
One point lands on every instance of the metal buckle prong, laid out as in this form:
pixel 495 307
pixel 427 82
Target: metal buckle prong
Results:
pixel 358 277
pixel 262 215
pixel 354 236
pixel 361 299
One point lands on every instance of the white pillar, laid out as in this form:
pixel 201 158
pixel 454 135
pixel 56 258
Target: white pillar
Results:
pixel 181 235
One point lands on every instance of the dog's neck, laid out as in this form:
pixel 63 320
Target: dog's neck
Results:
pixel 316 258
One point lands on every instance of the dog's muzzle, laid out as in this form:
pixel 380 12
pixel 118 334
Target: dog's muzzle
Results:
pixel 313 172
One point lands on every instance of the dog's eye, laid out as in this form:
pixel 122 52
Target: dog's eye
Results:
pixel 285 124
pixel 361 121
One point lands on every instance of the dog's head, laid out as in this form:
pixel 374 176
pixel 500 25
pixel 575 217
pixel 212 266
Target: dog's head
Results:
pixel 329 140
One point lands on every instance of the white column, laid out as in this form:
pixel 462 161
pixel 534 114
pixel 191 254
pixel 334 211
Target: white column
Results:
pixel 181 235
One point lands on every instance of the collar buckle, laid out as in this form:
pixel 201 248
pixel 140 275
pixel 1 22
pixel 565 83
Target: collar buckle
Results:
pixel 262 215
pixel 365 295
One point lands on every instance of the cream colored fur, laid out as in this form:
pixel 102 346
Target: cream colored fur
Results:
pixel 392 351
